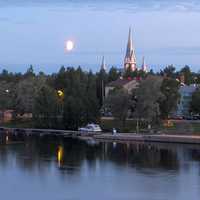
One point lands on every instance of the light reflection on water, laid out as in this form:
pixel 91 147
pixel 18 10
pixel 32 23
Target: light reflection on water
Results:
pixel 72 169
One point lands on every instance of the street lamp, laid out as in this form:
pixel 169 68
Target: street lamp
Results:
pixel 60 93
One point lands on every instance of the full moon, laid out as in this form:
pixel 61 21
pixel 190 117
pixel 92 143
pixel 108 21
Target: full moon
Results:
pixel 69 45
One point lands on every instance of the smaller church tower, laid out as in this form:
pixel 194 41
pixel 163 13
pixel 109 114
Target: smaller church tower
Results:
pixel 103 64
pixel 144 66
pixel 130 58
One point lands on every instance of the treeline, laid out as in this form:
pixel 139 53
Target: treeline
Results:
pixel 67 99
pixel 73 97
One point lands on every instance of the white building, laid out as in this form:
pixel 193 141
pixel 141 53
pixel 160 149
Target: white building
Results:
pixel 185 99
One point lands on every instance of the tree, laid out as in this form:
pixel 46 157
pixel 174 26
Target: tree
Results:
pixel 29 72
pixel 47 111
pixel 169 71
pixel 25 93
pixel 169 88
pixel 74 115
pixel 101 81
pixel 195 102
pixel 6 95
pixel 186 72
pixel 119 102
pixel 148 95
pixel 80 102
pixel 91 101
pixel 113 74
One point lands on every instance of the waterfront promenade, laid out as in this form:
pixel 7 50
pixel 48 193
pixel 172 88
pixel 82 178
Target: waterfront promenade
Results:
pixel 129 137
pixel 186 139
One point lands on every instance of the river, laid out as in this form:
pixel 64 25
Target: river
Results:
pixel 69 169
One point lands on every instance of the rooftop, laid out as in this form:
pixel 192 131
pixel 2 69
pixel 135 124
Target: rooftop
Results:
pixel 120 82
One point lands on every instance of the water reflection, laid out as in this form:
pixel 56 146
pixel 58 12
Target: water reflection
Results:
pixel 71 154
pixel 73 163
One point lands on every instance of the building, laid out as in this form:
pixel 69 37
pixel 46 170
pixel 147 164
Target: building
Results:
pixel 130 57
pixel 6 116
pixel 186 92
pixel 126 84
pixel 103 64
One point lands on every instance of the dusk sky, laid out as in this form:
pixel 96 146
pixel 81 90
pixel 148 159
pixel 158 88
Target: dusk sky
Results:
pixel 34 32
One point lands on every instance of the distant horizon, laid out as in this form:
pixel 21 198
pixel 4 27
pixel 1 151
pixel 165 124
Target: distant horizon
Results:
pixel 54 68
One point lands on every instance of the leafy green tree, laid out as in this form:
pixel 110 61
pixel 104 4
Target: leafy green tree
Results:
pixel 101 81
pixel 113 74
pixel 119 102
pixel 148 95
pixel 29 72
pixel 169 71
pixel 80 103
pixel 73 113
pixel 187 75
pixel 91 101
pixel 25 93
pixel 195 103
pixel 47 111
pixel 5 95
pixel 169 88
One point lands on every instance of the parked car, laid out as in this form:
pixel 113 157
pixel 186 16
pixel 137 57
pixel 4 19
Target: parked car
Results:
pixel 176 117
pixel 90 128
pixel 188 117
pixel 195 117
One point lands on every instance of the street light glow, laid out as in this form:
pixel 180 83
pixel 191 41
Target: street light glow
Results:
pixel 60 93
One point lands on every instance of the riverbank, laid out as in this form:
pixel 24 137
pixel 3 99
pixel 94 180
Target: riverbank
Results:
pixel 128 137
pixel 162 138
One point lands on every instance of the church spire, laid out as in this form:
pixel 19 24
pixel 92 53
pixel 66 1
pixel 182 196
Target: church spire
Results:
pixel 103 64
pixel 130 58
pixel 144 66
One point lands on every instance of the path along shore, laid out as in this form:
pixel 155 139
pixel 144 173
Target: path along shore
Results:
pixel 164 138
pixel 186 139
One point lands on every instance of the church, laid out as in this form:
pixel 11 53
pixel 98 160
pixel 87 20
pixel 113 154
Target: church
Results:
pixel 130 57
pixel 129 64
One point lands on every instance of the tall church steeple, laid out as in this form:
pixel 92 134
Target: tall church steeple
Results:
pixel 130 58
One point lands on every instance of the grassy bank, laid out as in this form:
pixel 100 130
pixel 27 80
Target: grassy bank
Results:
pixel 130 125
pixel 176 127
pixel 19 123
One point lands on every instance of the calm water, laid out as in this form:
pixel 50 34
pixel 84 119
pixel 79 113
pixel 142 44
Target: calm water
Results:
pixel 73 170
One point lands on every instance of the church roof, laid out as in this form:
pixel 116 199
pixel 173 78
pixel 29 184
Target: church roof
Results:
pixel 120 82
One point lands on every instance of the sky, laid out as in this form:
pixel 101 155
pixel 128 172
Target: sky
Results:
pixel 34 32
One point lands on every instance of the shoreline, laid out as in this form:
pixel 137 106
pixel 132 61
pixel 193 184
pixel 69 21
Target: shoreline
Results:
pixel 119 137
pixel 161 138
